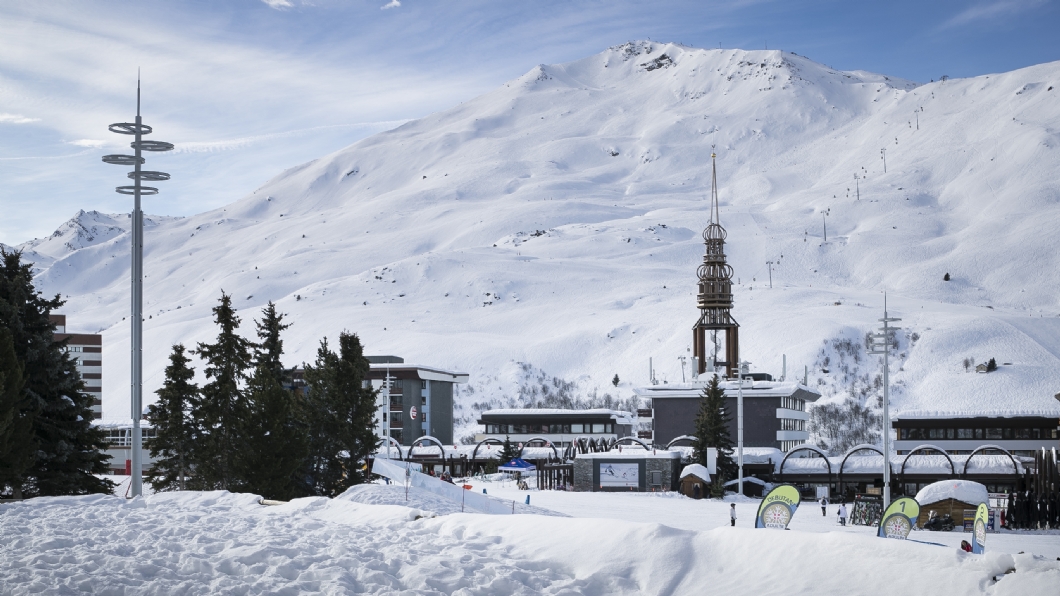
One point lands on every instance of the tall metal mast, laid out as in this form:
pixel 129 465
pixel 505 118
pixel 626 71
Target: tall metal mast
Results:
pixel 137 129
pixel 881 344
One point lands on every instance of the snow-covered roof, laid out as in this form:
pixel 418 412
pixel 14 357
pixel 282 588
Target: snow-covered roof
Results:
pixel 964 491
pixel 109 423
pixel 632 454
pixel 918 464
pixel 975 413
pixel 616 415
pixel 698 470
pixel 750 389
pixel 429 373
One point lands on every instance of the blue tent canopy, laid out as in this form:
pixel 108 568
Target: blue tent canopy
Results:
pixel 517 465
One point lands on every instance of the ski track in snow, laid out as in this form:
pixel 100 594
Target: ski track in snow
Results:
pixel 222 543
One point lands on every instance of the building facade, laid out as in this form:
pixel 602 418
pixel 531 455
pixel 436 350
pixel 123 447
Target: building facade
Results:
pixel 87 351
pixel 560 427
pixel 961 433
pixel 774 412
pixel 414 400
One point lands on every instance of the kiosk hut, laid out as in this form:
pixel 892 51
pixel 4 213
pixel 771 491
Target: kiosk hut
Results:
pixel 695 481
pixel 951 497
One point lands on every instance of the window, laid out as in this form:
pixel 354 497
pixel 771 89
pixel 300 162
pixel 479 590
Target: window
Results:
pixel 979 433
pixel 934 433
pixel 566 428
pixel 950 433
pixel 423 400
pixel 1037 433
pixel 1023 433
pixel 423 384
pixel 964 433
pixel 598 428
pixel 993 433
pixel 384 416
pixel 789 424
pixel 1007 433
pixel 576 428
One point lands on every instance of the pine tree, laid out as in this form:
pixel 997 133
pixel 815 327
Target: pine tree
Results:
pixel 175 431
pixel 340 411
pixel 64 449
pixel 221 412
pixel 712 430
pixel 508 451
pixel 269 351
pixel 13 431
pixel 275 441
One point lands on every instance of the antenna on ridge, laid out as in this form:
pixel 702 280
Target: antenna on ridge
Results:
pixel 715 212
pixel 137 91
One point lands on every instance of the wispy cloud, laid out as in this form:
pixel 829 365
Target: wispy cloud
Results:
pixel 990 10
pixel 278 4
pixel 17 119
pixel 91 143
pixel 391 4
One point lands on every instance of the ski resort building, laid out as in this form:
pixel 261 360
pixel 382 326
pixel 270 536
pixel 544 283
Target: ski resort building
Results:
pixel 118 435
pixel 774 411
pixel 414 401
pixel 1021 433
pixel 560 427
pixel 87 351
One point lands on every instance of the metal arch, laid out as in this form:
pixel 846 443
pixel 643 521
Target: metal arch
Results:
pixel 532 439
pixel 635 440
pixel 487 440
pixel 1015 465
pixel 807 448
pixel 953 469
pixel 426 438
pixel 850 452
pixel 681 438
pixel 395 442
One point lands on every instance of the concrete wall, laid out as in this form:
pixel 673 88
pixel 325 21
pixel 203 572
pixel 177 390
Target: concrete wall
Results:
pixel 586 472
pixel 441 419
pixel 676 416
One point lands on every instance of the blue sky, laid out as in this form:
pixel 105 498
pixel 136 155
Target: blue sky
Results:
pixel 248 88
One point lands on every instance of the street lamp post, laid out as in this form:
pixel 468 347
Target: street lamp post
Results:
pixel 881 344
pixel 741 370
pixel 137 129
pixel 769 264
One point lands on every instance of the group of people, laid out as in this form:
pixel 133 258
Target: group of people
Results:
pixel 841 512
pixel 1028 511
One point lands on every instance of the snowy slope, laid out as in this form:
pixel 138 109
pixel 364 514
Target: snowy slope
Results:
pixel 555 222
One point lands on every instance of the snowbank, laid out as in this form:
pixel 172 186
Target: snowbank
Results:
pixel 964 491
pixel 208 543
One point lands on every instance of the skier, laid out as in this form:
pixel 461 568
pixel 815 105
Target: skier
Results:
pixel 824 506
pixel 732 514
pixel 842 514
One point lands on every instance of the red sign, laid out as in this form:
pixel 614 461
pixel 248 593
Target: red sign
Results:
pixel 412 412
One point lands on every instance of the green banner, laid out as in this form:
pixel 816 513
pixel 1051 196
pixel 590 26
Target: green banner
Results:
pixel 979 529
pixel 778 507
pixel 899 519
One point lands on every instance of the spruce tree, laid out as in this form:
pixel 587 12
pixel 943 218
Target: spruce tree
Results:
pixel 275 442
pixel 221 412
pixel 712 430
pixel 66 451
pixel 269 351
pixel 14 432
pixel 175 431
pixel 340 406
pixel 508 451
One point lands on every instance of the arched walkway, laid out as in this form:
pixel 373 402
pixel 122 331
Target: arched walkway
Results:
pixel 547 442
pixel 633 439
pixel 688 438
pixel 807 448
pixel 925 449
pixel 423 439
pixel 396 444
pixel 1015 465
pixel 851 451
pixel 486 441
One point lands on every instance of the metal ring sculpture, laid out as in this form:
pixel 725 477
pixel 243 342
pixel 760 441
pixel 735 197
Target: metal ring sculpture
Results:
pixel 851 451
pixel 926 448
pixel 486 441
pixel 807 448
pixel 681 438
pixel 548 443
pixel 426 438
pixel 633 439
pixel 1015 465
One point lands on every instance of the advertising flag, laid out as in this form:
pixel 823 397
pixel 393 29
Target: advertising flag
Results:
pixel 899 519
pixel 778 507
pixel 979 529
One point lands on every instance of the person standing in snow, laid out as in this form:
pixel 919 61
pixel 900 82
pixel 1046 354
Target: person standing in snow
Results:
pixel 842 514
pixel 824 506
pixel 732 514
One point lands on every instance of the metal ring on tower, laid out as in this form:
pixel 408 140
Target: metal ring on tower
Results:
pixel 131 190
pixel 152 145
pixel 130 128
pixel 149 176
pixel 122 160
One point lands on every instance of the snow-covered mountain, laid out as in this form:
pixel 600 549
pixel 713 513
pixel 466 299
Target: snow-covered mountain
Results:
pixel 554 223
